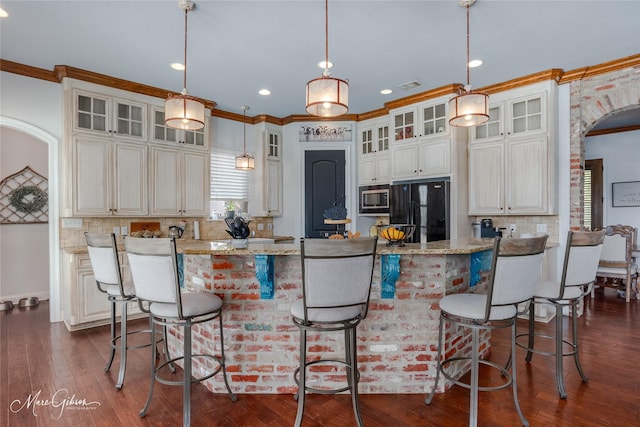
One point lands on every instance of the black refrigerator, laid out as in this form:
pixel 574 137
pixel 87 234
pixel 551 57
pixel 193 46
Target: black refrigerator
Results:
pixel 424 204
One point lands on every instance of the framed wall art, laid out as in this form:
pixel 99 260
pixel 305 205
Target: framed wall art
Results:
pixel 625 194
pixel 321 132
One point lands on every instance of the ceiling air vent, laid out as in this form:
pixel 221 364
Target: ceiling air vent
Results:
pixel 410 85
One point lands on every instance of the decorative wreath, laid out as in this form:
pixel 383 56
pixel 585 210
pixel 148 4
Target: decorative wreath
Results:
pixel 28 199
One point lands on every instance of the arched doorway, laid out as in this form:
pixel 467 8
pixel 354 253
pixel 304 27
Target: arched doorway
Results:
pixel 54 256
pixel 594 99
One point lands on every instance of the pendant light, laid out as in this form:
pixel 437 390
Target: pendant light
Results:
pixel 184 111
pixel 468 108
pixel 327 96
pixel 245 162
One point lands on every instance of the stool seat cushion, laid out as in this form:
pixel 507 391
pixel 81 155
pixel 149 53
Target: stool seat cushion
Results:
pixel 114 290
pixel 326 314
pixel 193 305
pixel 551 290
pixel 473 306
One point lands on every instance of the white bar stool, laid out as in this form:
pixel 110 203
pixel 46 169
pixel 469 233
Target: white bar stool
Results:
pixel 336 284
pixel 515 269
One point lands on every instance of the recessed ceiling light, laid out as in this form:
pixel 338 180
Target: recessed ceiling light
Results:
pixel 177 66
pixel 386 91
pixel 3 14
pixel 475 63
pixel 321 65
pixel 264 92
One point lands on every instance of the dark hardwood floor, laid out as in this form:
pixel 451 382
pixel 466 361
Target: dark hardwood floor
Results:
pixel 39 357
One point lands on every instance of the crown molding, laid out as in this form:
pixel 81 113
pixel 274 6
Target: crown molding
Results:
pixel 61 71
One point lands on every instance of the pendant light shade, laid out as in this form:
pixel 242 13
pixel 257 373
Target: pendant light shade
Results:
pixel 468 108
pixel 245 161
pixel 184 111
pixel 327 96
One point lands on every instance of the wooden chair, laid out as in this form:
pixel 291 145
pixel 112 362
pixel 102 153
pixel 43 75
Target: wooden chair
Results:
pixel 616 262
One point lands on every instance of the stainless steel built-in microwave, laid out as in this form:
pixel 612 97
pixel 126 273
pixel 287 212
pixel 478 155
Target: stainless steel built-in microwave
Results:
pixel 374 200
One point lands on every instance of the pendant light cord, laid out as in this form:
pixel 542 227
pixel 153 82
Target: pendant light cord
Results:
pixel 244 131
pixel 186 12
pixel 468 79
pixel 326 35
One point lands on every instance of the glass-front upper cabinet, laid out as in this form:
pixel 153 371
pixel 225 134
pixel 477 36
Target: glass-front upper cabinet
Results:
pixel 273 145
pixel 491 128
pixel 166 134
pixel 100 114
pixel 383 138
pixel 434 119
pixel 366 141
pixel 526 115
pixel 404 123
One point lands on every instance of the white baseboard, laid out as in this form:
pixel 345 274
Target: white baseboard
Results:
pixel 42 296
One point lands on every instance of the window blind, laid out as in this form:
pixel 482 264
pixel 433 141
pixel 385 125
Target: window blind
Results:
pixel 587 199
pixel 227 182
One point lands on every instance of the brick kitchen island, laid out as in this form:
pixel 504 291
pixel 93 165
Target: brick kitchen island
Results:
pixel 397 341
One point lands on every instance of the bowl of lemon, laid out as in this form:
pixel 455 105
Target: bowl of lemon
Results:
pixel 396 234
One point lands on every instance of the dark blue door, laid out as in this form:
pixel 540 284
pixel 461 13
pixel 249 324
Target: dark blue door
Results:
pixel 323 189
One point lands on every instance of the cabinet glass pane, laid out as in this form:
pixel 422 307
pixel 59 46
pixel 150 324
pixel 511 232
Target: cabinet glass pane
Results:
pixel 100 106
pixel 429 128
pixel 535 122
pixel 123 127
pixel 493 129
pixel 136 114
pixel 123 111
pixel 519 109
pixel 534 106
pixel 519 125
pixel 84 103
pixel 195 137
pixel 136 128
pixel 433 119
pixel 84 120
pixel 100 123
pixel 481 132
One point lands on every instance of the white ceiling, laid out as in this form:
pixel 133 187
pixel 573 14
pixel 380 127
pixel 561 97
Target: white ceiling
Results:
pixel 238 47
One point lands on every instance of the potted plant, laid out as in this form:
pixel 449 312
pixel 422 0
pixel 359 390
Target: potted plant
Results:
pixel 230 208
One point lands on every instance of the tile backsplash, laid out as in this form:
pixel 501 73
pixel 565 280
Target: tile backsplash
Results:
pixel 209 229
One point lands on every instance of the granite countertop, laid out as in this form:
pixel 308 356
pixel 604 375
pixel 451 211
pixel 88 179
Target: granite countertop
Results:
pixel 443 247
pixel 292 247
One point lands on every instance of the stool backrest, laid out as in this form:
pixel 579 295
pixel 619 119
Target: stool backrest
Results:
pixel 516 267
pixel 103 253
pixel 581 258
pixel 337 273
pixel 154 270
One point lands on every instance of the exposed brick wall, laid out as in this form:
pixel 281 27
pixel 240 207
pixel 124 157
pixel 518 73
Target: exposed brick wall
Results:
pixel 397 342
pixel 592 100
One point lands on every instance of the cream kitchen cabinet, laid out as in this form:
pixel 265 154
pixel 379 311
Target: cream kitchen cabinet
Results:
pixel 512 157
pixel 424 159
pixel 424 120
pixel 519 114
pixel 109 116
pixel 179 182
pixel 108 177
pixel 374 158
pixel 161 134
pixel 272 182
pixel 84 305
pixel 510 177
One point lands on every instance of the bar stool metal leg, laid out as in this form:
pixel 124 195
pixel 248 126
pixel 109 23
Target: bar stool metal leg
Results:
pixel 112 342
pixel 123 344
pixel 300 395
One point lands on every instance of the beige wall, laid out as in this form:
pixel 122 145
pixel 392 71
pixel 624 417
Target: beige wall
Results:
pixel 24 248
